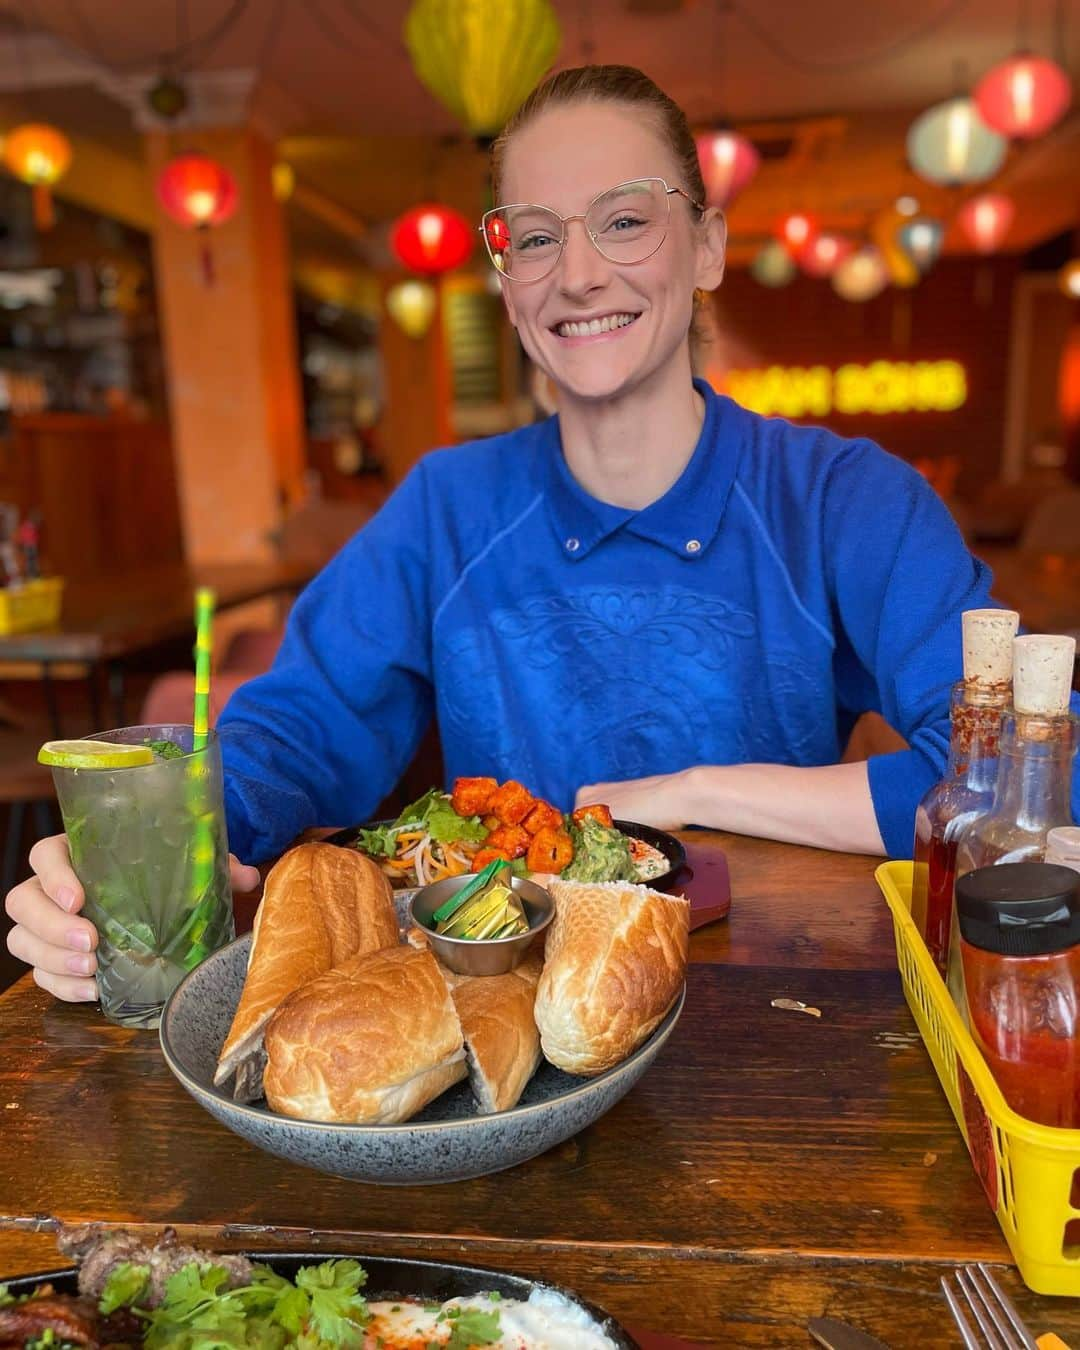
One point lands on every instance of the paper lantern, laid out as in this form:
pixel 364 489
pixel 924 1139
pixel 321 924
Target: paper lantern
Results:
pixel 951 144
pixel 411 304
pixel 921 239
pixel 824 254
pixel 481 58
pixel 283 180
pixel 1023 96
pixel 773 265
pixel 198 192
pixel 38 154
pixel 986 219
pixel 796 230
pixel 862 276
pixel 1069 279
pixel 728 163
pixel 431 239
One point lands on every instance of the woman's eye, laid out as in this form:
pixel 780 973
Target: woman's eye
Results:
pixel 621 223
pixel 536 240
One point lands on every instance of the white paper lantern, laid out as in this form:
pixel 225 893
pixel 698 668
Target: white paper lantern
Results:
pixel 862 276
pixel 950 144
pixel 773 265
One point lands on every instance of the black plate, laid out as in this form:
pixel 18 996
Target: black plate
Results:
pixel 668 845
pixel 388 1277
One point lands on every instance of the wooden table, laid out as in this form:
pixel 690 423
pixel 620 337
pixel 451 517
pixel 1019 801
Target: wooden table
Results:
pixel 107 619
pixel 771 1166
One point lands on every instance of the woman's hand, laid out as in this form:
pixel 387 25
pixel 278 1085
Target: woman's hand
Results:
pixel 51 935
pixel 665 801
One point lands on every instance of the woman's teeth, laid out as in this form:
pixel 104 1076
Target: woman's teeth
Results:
pixel 593 326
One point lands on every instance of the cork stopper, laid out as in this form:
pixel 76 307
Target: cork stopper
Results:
pixel 988 649
pixel 1042 674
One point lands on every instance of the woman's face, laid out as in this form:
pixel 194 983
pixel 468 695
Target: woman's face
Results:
pixel 562 160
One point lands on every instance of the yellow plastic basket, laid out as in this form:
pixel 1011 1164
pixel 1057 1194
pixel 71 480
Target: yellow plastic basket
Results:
pixel 1031 1173
pixel 34 604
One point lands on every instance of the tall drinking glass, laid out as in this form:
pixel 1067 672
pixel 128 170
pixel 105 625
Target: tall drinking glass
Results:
pixel 148 844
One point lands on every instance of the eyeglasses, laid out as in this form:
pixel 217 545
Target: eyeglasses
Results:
pixel 626 224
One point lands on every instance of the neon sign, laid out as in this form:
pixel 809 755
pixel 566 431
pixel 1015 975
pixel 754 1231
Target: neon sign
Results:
pixel 881 387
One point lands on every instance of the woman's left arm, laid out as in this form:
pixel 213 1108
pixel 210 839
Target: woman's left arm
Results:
pixel 828 807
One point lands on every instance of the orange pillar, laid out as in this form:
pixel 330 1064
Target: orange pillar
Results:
pixel 231 357
pixel 416 414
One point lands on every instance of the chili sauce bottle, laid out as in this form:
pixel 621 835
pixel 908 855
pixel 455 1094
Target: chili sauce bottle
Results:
pixel 1035 753
pixel 967 789
pixel 1019 945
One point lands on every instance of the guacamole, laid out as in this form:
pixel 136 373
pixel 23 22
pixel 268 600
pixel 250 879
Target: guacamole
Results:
pixel 600 854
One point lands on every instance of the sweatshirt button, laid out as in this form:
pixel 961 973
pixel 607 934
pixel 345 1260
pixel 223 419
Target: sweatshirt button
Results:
pixel 693 546
pixel 572 545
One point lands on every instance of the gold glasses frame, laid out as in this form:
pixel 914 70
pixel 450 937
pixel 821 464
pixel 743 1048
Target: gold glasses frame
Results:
pixel 564 221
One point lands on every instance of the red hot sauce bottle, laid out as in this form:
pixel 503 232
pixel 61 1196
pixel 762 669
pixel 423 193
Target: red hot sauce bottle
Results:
pixel 1019 940
pixel 967 789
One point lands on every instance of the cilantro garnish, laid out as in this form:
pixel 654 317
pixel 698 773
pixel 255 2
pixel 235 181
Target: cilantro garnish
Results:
pixel 125 1284
pixel 474 1327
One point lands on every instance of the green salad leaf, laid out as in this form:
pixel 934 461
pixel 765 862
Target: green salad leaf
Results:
pixel 431 812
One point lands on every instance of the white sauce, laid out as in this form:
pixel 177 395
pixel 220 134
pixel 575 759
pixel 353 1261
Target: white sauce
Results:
pixel 546 1322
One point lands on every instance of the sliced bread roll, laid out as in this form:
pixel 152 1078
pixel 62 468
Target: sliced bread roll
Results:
pixel 368 1043
pixel 321 906
pixel 615 962
pixel 502 1040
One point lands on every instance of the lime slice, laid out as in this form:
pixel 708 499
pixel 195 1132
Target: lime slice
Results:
pixel 94 755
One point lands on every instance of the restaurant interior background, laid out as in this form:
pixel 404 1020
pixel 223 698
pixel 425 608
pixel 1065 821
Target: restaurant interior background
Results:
pixel 213 354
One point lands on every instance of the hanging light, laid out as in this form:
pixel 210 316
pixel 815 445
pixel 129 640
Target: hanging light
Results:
pixel 411 304
pixel 38 154
pixel 431 239
pixel 283 180
pixel 862 276
pixel 1069 279
pixel 773 265
pixel 986 219
pixel 481 58
pixel 906 205
pixel 198 192
pixel 728 163
pixel 951 144
pixel 796 230
pixel 1023 96
pixel 921 239
pixel 824 254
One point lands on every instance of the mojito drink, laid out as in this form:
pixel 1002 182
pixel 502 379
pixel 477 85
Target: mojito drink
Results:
pixel 148 844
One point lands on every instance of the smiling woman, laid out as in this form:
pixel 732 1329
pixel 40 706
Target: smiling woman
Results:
pixel 655 599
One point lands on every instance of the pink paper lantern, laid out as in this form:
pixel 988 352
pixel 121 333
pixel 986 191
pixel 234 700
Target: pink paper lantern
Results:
pixel 1023 96
pixel 824 254
pixel 986 220
pixel 728 163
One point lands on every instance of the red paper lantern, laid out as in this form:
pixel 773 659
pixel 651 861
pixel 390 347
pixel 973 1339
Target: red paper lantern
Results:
pixel 198 192
pixel 728 162
pixel 432 239
pixel 1023 96
pixel 824 254
pixel 796 230
pixel 986 220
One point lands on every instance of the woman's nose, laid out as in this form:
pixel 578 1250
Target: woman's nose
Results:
pixel 582 266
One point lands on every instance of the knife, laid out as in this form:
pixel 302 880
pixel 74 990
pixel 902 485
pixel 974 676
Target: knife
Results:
pixel 836 1335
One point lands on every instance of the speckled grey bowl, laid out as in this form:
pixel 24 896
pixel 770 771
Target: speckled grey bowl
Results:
pixel 447 1141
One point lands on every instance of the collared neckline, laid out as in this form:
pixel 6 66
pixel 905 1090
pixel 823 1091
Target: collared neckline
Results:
pixel 684 520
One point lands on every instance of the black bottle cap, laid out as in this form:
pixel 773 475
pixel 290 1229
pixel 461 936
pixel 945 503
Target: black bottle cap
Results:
pixel 1020 909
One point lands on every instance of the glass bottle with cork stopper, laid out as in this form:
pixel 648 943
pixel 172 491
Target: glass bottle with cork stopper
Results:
pixel 1035 753
pixel 967 788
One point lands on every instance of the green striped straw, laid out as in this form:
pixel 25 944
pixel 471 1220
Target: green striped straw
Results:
pixel 204 619
pixel 202 843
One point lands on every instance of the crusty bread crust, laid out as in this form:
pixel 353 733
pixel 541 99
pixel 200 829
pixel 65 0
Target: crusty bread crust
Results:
pixel 370 1042
pixel 501 1035
pixel 615 962
pixel 321 905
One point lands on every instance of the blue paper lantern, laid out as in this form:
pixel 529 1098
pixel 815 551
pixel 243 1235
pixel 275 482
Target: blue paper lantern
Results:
pixel 921 239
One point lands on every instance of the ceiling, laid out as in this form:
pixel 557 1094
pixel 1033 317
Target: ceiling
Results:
pixel 841 78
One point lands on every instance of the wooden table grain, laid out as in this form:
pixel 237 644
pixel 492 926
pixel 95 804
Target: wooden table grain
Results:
pixel 771 1167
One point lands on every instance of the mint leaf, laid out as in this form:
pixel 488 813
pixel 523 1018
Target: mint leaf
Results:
pixel 474 1327
pixel 165 749
pixel 125 1284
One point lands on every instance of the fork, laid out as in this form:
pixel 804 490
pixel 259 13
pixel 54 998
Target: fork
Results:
pixel 998 1320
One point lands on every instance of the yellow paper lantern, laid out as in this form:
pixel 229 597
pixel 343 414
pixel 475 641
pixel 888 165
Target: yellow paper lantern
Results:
pixel 38 154
pixel 482 58
pixel 411 305
pixel 283 178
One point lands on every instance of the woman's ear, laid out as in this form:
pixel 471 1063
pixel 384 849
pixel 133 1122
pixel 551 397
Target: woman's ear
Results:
pixel 712 249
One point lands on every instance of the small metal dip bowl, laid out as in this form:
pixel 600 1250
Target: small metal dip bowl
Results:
pixel 481 956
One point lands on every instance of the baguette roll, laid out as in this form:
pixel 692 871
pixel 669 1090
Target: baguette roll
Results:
pixel 321 906
pixel 502 1041
pixel 615 962
pixel 368 1043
